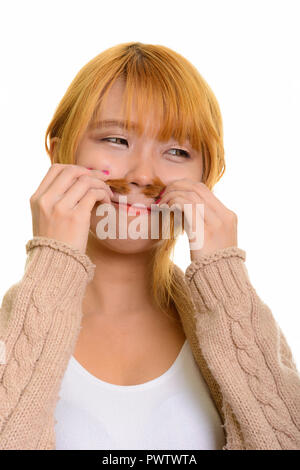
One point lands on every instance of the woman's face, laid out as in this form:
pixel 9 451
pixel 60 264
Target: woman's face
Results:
pixel 136 159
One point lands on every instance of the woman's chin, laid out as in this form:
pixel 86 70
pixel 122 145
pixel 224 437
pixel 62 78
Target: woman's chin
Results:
pixel 125 245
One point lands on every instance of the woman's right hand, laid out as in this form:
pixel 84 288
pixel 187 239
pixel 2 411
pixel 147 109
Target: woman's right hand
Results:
pixel 61 206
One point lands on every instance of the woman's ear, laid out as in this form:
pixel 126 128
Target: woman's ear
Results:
pixel 54 145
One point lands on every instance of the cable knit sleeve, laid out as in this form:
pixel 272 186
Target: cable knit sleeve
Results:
pixel 40 320
pixel 246 351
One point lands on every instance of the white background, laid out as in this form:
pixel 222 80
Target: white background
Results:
pixel 248 52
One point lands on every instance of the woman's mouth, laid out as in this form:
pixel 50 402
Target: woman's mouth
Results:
pixel 138 209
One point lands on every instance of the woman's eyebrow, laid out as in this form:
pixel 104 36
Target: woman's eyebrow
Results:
pixel 106 123
pixel 114 123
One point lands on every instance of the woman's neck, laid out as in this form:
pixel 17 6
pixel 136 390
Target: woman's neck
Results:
pixel 121 283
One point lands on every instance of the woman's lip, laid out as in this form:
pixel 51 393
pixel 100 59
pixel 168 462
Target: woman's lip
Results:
pixel 129 205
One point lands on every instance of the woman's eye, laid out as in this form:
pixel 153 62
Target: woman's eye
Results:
pixel 185 153
pixel 116 138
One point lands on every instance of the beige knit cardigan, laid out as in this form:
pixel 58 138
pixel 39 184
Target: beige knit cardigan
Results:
pixel 236 342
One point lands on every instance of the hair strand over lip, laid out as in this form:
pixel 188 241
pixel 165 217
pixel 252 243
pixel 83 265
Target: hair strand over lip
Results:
pixel 121 186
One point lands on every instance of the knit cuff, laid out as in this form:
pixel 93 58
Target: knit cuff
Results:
pixel 63 247
pixel 215 277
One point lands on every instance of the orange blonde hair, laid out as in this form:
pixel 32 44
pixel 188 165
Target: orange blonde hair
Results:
pixel 166 85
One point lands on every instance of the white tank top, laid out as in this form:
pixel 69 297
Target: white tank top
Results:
pixel 174 411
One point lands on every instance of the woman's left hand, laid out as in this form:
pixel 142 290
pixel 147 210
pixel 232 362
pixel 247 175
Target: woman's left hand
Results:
pixel 219 225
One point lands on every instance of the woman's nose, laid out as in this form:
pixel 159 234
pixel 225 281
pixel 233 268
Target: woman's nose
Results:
pixel 141 173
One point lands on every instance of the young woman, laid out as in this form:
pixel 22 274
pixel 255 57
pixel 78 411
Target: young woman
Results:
pixel 108 344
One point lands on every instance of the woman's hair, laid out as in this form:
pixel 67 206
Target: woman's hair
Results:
pixel 166 86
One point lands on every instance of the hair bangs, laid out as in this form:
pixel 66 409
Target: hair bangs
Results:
pixel 162 103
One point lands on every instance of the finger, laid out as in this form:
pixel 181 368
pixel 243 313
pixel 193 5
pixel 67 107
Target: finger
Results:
pixel 209 215
pixel 65 179
pixel 75 193
pixel 182 185
pixel 99 174
pixel 88 201
pixel 188 195
pixel 102 177
pixel 51 174
pixel 210 197
pixel 200 189
pixel 58 179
